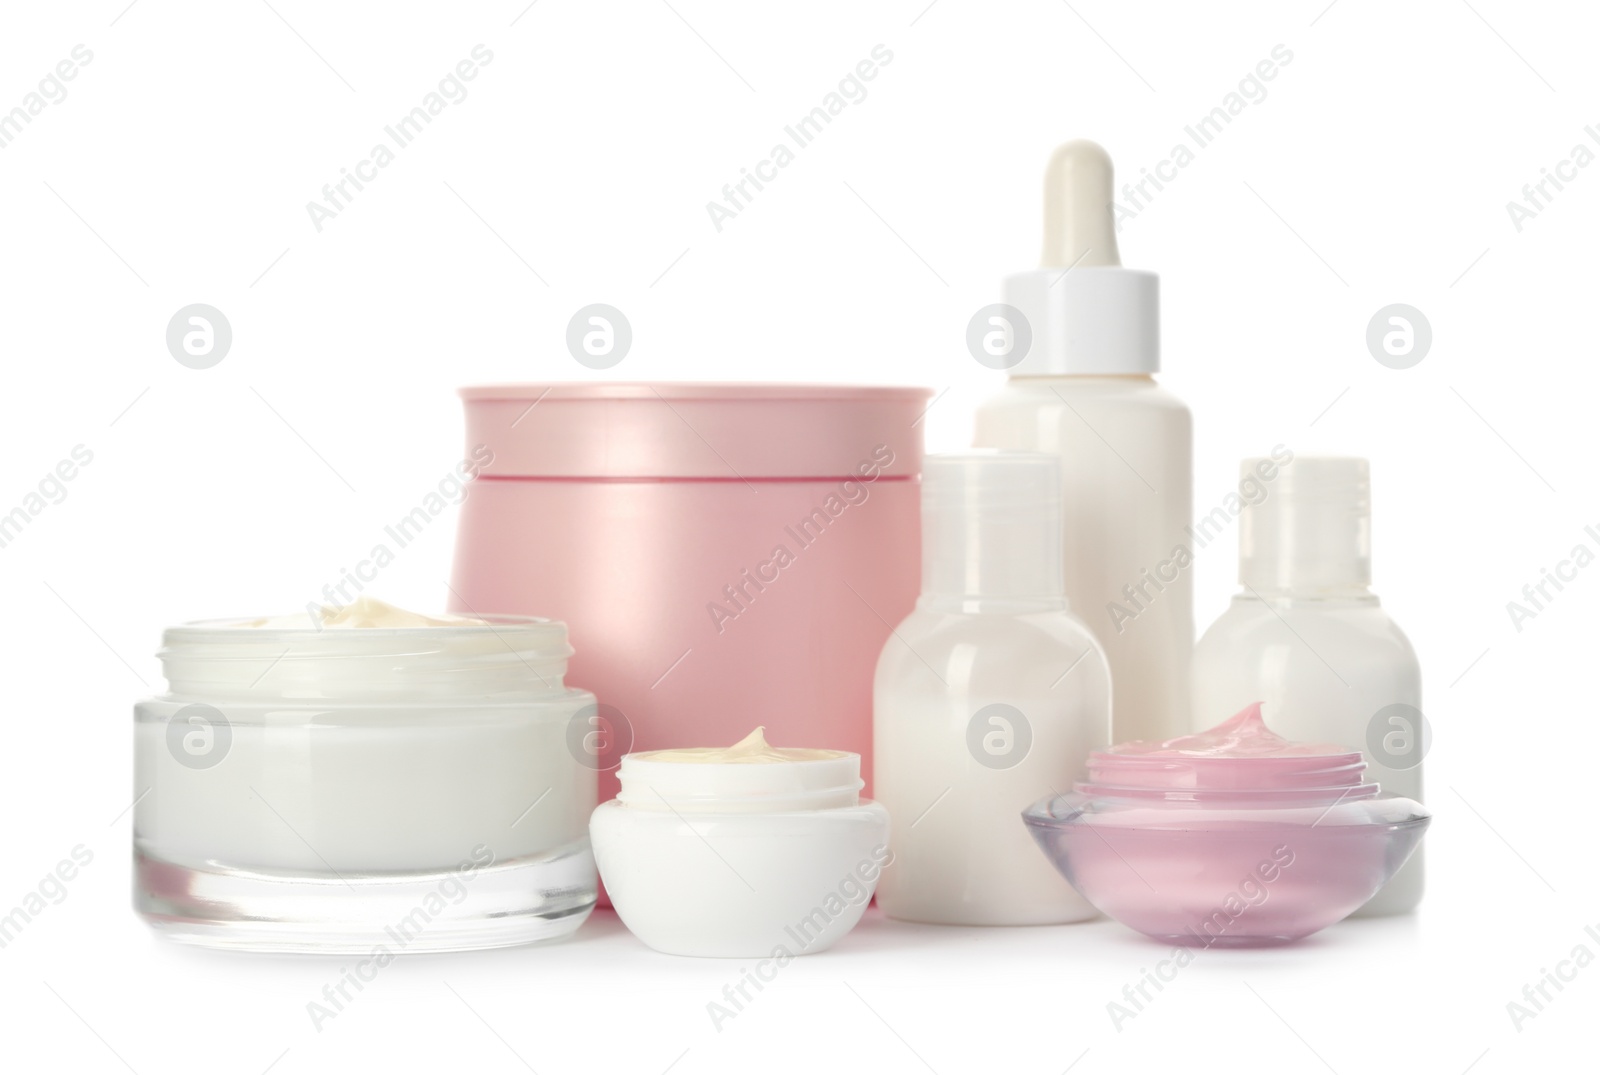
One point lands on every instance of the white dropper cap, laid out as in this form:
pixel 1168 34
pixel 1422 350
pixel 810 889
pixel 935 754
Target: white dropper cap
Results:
pixel 1311 533
pixel 1086 313
pixel 991 529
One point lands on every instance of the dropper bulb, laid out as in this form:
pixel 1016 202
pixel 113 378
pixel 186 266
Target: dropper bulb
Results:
pixel 1078 227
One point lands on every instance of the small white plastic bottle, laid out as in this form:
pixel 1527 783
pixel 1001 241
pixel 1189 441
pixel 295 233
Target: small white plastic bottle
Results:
pixel 1083 389
pixel 1307 638
pixel 988 697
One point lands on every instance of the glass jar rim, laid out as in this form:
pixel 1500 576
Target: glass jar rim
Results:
pixel 227 656
pixel 542 637
pixel 243 625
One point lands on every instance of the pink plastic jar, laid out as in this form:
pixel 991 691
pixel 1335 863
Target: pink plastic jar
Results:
pixel 724 555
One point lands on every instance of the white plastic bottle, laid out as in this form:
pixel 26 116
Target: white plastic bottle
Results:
pixel 1083 389
pixel 988 697
pixel 1307 638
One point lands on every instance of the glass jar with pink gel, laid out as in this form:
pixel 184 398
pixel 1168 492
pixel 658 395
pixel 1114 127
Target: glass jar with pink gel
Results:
pixel 1232 837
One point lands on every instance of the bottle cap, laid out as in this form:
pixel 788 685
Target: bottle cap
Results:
pixel 991 526
pixel 1312 530
pixel 1087 314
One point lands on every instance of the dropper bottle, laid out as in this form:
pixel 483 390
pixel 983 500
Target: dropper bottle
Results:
pixel 1084 390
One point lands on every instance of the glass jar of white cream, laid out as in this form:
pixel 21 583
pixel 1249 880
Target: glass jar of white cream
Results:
pixel 371 780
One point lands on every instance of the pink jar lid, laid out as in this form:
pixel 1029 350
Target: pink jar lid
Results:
pixel 733 432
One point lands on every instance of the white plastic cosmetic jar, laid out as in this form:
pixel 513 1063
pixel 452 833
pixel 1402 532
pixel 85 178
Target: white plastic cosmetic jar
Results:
pixel 399 789
pixel 768 861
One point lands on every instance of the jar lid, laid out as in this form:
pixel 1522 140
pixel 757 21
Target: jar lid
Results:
pixel 731 432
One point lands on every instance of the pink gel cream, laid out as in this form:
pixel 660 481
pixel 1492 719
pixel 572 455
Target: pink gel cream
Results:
pixel 1232 837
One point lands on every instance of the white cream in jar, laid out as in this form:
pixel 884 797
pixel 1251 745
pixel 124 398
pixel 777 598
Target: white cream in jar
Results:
pixel 366 776
pixel 744 851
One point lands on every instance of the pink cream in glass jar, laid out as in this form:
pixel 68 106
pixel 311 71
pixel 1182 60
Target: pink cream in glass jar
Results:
pixel 1234 837
pixel 723 554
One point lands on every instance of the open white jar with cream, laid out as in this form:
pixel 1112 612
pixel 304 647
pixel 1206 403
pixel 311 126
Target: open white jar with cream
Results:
pixel 378 780
pixel 748 851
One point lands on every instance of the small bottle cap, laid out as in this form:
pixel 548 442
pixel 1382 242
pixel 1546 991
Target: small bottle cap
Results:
pixel 991 526
pixel 1312 530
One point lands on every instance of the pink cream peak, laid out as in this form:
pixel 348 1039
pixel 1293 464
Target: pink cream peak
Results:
pixel 1243 735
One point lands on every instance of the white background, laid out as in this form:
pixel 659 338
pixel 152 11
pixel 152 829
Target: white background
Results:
pixel 1376 170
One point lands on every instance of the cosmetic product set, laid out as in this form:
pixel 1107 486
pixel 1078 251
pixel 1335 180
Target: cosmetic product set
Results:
pixel 739 659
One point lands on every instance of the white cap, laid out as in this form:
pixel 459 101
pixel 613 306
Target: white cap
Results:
pixel 1086 313
pixel 1312 531
pixel 991 526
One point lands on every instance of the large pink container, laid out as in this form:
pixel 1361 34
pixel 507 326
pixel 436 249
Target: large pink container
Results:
pixel 723 555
